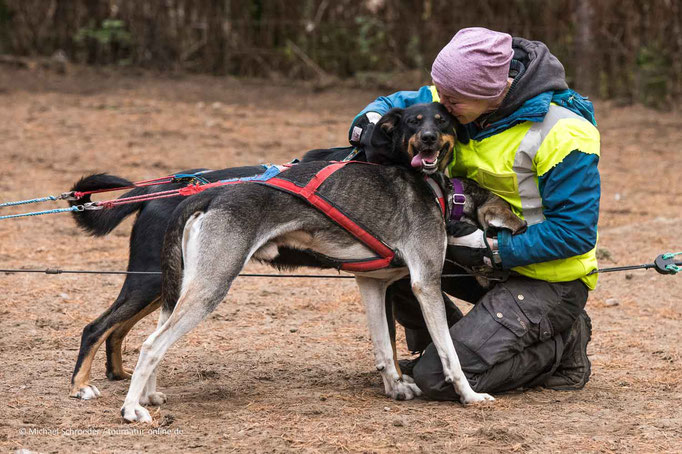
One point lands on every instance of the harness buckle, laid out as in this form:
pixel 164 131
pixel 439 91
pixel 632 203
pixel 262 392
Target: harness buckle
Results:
pixel 89 206
pixel 356 151
pixel 189 179
pixel 459 199
pixel 67 196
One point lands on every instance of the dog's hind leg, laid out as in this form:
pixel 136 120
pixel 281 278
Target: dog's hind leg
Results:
pixel 118 318
pixel 190 310
pixel 199 297
pixel 93 335
pixel 140 308
pixel 425 279
pixel 206 280
pixel 373 292
pixel 149 395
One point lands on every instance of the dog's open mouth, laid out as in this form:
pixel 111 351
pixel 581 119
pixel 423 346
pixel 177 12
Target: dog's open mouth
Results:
pixel 427 159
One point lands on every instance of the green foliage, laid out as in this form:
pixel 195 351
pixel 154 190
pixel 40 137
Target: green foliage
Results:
pixel 631 48
pixel 5 13
pixel 5 18
pixel 370 39
pixel 111 31
pixel 652 76
pixel 413 50
pixel 108 43
pixel 357 45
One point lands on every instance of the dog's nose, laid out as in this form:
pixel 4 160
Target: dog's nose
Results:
pixel 429 137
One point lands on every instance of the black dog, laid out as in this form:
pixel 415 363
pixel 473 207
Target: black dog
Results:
pixel 139 295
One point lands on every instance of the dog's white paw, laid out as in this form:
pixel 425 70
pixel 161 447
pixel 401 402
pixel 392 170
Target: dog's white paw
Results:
pixel 86 392
pixel 476 397
pixel 404 389
pixel 132 413
pixel 155 398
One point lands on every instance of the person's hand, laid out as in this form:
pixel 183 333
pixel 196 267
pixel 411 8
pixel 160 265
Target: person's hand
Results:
pixel 361 130
pixel 469 247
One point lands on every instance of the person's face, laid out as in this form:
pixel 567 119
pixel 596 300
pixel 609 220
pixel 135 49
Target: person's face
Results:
pixel 465 110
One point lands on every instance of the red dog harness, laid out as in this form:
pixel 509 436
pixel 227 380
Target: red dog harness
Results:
pixel 309 192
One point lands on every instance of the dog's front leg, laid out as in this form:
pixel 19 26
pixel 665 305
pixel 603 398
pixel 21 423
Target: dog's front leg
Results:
pixel 429 296
pixel 373 292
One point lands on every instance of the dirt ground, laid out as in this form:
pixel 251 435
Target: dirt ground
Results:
pixel 284 364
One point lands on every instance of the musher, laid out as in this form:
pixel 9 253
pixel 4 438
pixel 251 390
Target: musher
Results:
pixel 531 140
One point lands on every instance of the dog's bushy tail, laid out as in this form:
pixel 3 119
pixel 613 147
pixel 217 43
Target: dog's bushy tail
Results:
pixel 171 256
pixel 101 222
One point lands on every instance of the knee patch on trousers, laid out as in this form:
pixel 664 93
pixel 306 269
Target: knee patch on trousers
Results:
pixel 509 318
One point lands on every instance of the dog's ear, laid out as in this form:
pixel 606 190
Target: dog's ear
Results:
pixel 379 147
pixel 389 122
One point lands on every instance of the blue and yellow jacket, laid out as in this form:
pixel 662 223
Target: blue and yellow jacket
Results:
pixel 542 159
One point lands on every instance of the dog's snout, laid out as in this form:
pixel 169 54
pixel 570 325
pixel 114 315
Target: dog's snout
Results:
pixel 429 137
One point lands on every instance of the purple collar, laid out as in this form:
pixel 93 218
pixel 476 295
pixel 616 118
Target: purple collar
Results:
pixel 458 200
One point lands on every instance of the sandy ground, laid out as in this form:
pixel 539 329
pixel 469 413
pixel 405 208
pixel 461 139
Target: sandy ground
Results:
pixel 283 364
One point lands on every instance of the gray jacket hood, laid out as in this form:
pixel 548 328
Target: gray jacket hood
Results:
pixel 535 70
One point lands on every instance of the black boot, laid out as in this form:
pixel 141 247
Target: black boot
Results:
pixel 575 368
pixel 418 339
pixel 416 334
pixel 407 365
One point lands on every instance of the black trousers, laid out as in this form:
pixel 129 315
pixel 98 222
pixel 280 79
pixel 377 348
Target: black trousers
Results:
pixel 511 338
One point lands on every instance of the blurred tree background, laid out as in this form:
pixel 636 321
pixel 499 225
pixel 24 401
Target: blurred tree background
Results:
pixel 629 50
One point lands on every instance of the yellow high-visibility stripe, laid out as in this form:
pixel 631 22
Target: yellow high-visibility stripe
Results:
pixel 434 93
pixel 509 163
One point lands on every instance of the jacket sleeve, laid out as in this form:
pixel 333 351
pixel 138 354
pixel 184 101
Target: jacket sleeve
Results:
pixel 401 99
pixel 570 192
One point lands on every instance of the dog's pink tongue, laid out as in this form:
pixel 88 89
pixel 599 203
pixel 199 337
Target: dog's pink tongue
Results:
pixel 417 160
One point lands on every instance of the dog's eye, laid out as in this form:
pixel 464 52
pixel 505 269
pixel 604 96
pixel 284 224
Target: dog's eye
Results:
pixel 414 121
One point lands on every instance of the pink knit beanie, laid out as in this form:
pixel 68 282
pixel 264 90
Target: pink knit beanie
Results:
pixel 474 64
